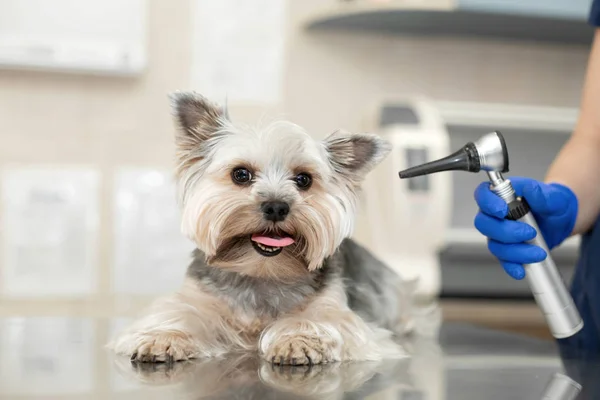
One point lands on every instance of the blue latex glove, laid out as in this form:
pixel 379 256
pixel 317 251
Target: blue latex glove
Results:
pixel 554 207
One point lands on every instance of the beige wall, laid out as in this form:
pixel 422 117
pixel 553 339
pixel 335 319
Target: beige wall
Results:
pixel 331 80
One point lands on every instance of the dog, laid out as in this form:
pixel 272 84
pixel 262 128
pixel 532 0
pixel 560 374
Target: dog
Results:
pixel 275 270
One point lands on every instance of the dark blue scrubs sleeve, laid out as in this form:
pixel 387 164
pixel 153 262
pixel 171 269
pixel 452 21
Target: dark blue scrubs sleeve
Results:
pixel 594 18
pixel 585 289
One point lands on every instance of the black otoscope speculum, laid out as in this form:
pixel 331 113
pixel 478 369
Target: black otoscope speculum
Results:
pixel 467 158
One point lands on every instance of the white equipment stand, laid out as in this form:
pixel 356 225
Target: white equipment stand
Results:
pixel 405 222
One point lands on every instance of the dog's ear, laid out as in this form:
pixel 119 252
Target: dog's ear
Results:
pixel 196 117
pixel 355 155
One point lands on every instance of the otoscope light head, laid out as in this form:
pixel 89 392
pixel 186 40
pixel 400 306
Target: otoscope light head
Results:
pixel 488 153
pixel 493 154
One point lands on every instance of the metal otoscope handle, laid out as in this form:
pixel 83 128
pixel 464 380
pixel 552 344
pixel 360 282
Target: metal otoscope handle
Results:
pixel 545 281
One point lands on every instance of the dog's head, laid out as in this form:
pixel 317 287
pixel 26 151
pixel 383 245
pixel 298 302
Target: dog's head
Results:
pixel 268 201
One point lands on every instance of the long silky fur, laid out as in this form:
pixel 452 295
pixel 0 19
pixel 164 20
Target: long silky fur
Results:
pixel 323 299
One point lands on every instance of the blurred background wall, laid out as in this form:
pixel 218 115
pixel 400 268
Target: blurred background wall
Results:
pixel 89 223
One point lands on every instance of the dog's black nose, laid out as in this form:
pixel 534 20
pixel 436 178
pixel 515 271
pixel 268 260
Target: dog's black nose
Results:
pixel 275 211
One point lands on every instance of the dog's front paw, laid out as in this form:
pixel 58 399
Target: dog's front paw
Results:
pixel 302 350
pixel 157 346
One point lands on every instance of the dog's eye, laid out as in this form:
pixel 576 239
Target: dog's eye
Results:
pixel 303 181
pixel 241 175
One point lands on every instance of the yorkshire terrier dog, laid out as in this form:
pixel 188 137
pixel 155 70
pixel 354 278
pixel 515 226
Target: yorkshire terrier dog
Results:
pixel 271 211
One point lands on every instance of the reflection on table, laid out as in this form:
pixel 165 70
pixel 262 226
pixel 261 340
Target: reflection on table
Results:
pixel 65 358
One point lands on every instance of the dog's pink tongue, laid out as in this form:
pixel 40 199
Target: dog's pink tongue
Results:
pixel 273 241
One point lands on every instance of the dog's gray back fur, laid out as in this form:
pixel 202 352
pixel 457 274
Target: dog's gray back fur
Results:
pixel 373 289
pixel 375 292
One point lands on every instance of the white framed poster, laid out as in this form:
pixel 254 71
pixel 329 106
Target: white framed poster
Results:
pixel 47 356
pixel 239 49
pixel 50 222
pixel 151 254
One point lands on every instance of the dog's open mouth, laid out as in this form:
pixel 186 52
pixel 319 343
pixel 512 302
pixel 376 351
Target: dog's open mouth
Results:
pixel 269 245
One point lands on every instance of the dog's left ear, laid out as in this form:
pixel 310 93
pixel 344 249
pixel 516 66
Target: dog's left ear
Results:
pixel 355 155
pixel 196 117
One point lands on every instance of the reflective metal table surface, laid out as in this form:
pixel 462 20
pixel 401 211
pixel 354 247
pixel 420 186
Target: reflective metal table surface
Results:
pixel 64 358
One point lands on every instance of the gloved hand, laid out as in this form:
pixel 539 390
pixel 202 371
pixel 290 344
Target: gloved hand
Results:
pixel 554 207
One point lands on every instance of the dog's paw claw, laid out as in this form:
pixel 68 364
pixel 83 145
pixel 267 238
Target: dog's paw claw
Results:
pixel 301 350
pixel 159 347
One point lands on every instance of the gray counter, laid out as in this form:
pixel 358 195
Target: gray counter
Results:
pixel 64 358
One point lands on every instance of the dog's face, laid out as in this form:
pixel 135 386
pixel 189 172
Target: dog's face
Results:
pixel 270 202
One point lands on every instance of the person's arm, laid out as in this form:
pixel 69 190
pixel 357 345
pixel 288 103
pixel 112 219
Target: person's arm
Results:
pixel 578 163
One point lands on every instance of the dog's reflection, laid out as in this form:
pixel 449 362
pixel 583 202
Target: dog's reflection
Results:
pixel 245 376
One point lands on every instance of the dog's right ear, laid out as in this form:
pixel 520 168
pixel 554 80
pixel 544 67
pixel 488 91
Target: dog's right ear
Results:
pixel 196 117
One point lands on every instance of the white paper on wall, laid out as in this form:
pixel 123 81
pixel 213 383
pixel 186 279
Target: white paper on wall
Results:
pixel 50 222
pixel 106 36
pixel 150 253
pixel 238 49
pixel 47 356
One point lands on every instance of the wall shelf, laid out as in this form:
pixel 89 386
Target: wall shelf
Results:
pixel 462 20
pixel 560 120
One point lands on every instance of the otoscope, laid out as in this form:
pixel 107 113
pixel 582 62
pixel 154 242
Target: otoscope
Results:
pixel 489 153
